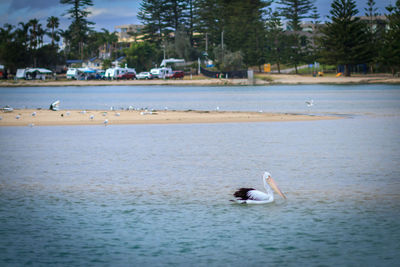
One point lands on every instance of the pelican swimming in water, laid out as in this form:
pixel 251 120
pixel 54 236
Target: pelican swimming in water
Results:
pixel 252 196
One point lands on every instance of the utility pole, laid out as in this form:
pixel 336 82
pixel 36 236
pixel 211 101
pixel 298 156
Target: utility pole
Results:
pixel 206 42
pixel 222 40
pixel 222 45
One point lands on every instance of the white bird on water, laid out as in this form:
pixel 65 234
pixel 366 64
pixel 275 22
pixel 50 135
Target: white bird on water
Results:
pixel 252 196
pixel 310 103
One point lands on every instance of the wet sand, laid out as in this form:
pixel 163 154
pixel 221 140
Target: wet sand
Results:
pixel 31 117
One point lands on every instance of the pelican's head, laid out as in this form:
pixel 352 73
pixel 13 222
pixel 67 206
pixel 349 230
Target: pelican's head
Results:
pixel 271 182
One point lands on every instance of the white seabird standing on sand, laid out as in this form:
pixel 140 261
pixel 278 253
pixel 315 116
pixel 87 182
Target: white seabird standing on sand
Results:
pixel 252 196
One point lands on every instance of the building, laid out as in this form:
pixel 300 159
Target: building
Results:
pixel 129 33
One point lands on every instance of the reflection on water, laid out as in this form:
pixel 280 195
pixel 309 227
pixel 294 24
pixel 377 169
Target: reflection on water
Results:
pixel 159 194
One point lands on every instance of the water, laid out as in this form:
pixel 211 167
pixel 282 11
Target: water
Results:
pixel 156 195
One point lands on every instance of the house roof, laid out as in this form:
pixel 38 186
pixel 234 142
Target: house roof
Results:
pixel 71 61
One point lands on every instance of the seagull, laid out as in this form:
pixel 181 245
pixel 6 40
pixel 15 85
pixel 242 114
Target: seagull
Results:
pixel 117 114
pixel 105 122
pixel 91 117
pixel 67 113
pixel 17 117
pixel 34 114
pixel 310 103
pixel 83 111
pixel 252 196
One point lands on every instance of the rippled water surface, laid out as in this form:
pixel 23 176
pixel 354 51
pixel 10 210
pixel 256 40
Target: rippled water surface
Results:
pixel 155 195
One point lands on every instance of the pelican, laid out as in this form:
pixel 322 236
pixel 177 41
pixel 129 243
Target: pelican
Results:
pixel 252 196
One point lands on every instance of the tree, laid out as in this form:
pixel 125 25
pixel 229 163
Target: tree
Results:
pixel 390 52
pixel 52 24
pixel 141 56
pixel 276 41
pixel 35 38
pixel 372 33
pixel 315 30
pixel 152 15
pixel 294 11
pixel 344 39
pixel 79 27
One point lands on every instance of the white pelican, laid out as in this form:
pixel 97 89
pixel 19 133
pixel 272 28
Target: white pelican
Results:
pixel 252 196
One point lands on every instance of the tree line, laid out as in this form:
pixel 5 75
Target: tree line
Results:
pixel 235 34
pixel 22 45
pixel 244 33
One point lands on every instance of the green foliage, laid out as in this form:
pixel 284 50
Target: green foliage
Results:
pixel 106 64
pixel 170 22
pixel 390 52
pixel 294 11
pixel 77 33
pixel 227 60
pixel 276 40
pixel 141 56
pixel 23 47
pixel 52 24
pixel 344 41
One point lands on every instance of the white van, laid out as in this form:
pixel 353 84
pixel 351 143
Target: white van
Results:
pixel 161 73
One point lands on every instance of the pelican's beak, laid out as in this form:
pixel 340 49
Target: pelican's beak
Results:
pixel 275 187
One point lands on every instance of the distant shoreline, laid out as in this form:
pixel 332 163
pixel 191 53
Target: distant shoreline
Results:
pixel 35 117
pixel 264 79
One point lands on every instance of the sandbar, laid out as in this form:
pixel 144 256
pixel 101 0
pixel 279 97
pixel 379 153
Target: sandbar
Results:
pixel 34 117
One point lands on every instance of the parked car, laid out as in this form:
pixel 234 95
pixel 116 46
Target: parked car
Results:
pixel 127 76
pixel 177 74
pixel 144 75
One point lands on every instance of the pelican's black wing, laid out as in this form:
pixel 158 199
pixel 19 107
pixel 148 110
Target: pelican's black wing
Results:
pixel 242 193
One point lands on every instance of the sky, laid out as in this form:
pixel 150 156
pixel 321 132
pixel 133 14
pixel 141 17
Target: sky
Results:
pixel 110 13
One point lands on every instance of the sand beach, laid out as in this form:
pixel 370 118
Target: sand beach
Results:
pixel 32 117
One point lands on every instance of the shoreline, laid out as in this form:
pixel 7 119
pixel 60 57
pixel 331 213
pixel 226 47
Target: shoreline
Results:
pixel 267 79
pixel 25 117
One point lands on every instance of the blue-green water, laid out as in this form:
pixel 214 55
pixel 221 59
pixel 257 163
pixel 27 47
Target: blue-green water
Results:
pixel 155 195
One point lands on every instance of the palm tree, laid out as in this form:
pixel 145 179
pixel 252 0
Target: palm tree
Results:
pixel 34 38
pixel 108 40
pixel 53 23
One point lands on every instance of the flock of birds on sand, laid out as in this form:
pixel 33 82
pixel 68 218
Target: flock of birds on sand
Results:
pixel 144 111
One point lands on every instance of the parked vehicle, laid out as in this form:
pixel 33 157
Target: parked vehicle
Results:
pixel 72 73
pixel 144 75
pixel 33 73
pixel 161 73
pixel 113 73
pixel 177 74
pixel 127 76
